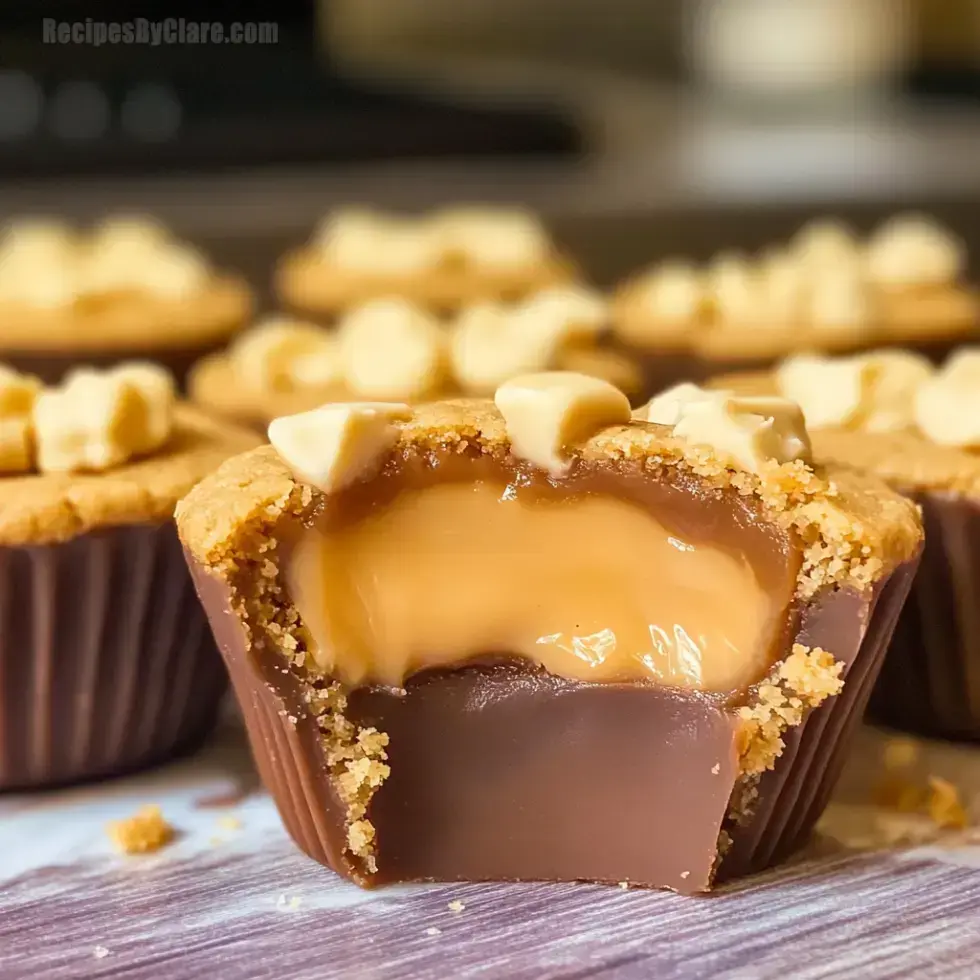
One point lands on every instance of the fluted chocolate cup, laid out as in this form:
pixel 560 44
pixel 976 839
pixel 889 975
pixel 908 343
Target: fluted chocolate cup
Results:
pixel 930 683
pixel 106 661
pixel 512 766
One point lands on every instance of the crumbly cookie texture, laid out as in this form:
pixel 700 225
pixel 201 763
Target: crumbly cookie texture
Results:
pixel 852 530
pixel 934 450
pixel 147 830
pixel 50 507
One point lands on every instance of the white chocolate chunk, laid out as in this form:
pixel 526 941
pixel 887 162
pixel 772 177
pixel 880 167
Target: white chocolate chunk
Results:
pixel 754 432
pixel 18 393
pixel 840 299
pixel 97 420
pixel 16 444
pixel 896 376
pixel 364 242
pixel 674 292
pixel 668 407
pixel 947 406
pixel 130 231
pixel 912 251
pixel 825 245
pixel 279 354
pixel 486 349
pixel 491 238
pixel 830 391
pixel 785 289
pixel 572 312
pixel 390 349
pixel 548 413
pixel 339 444
pixel 156 385
pixel 872 392
pixel 737 290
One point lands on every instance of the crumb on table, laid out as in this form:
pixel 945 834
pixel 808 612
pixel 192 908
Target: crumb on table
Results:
pixel 147 830
pixel 945 808
pixel 900 752
pixel 456 905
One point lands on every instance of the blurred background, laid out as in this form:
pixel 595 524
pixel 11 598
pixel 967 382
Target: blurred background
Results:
pixel 638 129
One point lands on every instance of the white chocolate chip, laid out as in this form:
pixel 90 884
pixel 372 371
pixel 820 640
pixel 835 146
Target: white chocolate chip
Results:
pixel 280 354
pixel 826 244
pixel 97 420
pixel 668 407
pixel 339 444
pixel 737 290
pixel 896 376
pixel 830 391
pixel 548 413
pixel 130 231
pixel 674 292
pixel 18 393
pixel 156 384
pixel 840 299
pixel 785 289
pixel 912 251
pixel 486 350
pixel 947 406
pixel 175 273
pixel 391 349
pixel 496 239
pixel 360 241
pixel 754 432
pixel 872 392
pixel 572 312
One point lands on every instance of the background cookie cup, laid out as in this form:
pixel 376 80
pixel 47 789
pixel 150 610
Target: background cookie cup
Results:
pixel 126 290
pixel 441 262
pixel 918 429
pixel 385 777
pixel 391 349
pixel 824 291
pixel 106 661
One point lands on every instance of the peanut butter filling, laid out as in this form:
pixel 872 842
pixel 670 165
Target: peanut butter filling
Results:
pixel 590 586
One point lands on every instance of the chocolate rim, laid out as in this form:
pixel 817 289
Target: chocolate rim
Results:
pixel 930 682
pixel 782 807
pixel 107 664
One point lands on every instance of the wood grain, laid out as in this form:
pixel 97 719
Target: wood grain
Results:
pixel 241 902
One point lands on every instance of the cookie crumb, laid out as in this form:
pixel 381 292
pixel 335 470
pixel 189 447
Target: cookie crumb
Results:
pixel 685 874
pixel 456 905
pixel 715 769
pixel 945 808
pixel 899 793
pixel 100 952
pixel 900 753
pixel 433 931
pixel 145 831
pixel 230 823
pixel 624 885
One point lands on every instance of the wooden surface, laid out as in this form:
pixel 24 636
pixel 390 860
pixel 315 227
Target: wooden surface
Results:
pixel 232 899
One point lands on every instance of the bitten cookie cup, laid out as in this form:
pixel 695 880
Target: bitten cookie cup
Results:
pixel 124 291
pixel 106 661
pixel 394 349
pixel 825 291
pixel 442 261
pixel 924 441
pixel 541 640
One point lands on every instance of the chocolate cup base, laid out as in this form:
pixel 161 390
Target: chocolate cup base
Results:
pixel 52 366
pixel 107 664
pixel 509 773
pixel 930 682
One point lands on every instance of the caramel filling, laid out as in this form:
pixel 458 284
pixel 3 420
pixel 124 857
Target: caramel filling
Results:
pixel 590 586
